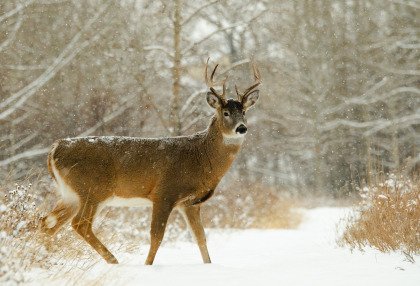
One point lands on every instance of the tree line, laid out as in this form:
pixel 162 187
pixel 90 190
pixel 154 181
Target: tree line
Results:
pixel 339 102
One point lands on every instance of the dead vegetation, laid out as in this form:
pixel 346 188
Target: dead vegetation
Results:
pixel 254 206
pixel 124 230
pixel 388 218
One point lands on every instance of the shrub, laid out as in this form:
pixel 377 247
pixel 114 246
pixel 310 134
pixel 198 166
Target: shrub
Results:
pixel 388 218
pixel 255 206
pixel 23 246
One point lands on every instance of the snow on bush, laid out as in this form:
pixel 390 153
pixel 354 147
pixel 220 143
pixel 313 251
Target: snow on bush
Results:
pixel 387 218
pixel 122 230
pixel 19 217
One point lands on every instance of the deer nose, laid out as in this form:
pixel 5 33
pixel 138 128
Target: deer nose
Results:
pixel 241 129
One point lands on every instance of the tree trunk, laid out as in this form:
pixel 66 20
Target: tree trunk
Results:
pixel 175 120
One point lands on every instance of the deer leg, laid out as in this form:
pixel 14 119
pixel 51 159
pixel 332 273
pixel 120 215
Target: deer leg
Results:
pixel 61 214
pixel 160 217
pixel 193 219
pixel 82 224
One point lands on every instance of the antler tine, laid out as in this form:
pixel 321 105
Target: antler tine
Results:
pixel 206 73
pixel 223 95
pixel 210 81
pixel 257 78
pixel 238 93
pixel 257 75
pixel 212 74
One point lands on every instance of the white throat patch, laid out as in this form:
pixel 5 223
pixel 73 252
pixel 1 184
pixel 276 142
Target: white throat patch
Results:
pixel 234 139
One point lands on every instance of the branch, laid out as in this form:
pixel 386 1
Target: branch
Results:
pixel 192 123
pixel 190 100
pixel 114 114
pixel 158 48
pixel 37 152
pixel 394 70
pixel 407 3
pixel 343 105
pixel 198 11
pixel 190 47
pixel 159 114
pixel 19 144
pixel 234 65
pixel 19 7
pixel 24 67
pixel 12 34
pixel 221 30
pixel 62 60
pixel 24 155
pixel 412 162
pixel 375 126
pixel 406 120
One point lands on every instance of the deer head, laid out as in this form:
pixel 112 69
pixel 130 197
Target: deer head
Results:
pixel 231 112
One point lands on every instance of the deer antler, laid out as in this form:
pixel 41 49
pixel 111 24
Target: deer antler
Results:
pixel 211 83
pixel 257 78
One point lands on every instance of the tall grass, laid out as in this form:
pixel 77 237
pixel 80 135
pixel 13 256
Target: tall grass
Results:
pixel 388 218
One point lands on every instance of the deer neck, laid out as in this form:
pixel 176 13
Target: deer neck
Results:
pixel 220 144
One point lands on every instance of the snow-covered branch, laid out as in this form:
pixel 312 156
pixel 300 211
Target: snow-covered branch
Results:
pixel 19 7
pixel 28 154
pixel 374 126
pixel 11 104
pixel 159 48
pixel 196 12
pixel 12 34
pixel 123 106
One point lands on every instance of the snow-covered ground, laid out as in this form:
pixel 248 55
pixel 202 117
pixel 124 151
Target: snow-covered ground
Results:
pixel 305 256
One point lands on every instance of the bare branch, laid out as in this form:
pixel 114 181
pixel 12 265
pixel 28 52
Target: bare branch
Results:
pixel 24 67
pixel 189 100
pixel 159 48
pixel 162 120
pixel 24 155
pixel 19 7
pixel 12 34
pixel 114 114
pixel 69 52
pixel 198 11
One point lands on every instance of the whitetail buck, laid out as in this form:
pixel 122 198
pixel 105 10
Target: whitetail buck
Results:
pixel 165 173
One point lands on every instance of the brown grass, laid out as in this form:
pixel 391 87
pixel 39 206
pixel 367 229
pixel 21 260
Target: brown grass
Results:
pixel 387 219
pixel 23 246
pixel 255 206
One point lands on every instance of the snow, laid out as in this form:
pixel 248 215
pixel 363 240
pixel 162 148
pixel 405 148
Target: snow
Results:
pixel 305 256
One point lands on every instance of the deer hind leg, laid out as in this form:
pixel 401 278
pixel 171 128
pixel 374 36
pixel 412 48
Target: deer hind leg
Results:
pixel 61 214
pixel 193 219
pixel 160 217
pixel 82 224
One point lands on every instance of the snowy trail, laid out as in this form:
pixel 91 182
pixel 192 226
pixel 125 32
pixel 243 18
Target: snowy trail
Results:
pixel 306 256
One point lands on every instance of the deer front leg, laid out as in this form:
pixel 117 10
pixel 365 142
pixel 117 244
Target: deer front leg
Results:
pixel 160 215
pixel 193 219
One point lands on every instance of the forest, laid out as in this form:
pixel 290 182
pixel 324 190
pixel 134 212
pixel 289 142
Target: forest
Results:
pixel 337 122
pixel 339 100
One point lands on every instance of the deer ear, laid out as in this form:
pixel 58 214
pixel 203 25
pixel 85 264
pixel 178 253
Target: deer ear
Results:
pixel 250 99
pixel 213 100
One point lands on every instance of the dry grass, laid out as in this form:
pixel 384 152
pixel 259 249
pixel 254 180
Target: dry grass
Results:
pixel 388 218
pixel 255 206
pixel 24 247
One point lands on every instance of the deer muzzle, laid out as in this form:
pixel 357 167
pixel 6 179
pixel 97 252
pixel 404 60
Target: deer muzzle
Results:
pixel 241 129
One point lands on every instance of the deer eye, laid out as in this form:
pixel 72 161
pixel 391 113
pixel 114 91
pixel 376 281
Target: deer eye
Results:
pixel 226 113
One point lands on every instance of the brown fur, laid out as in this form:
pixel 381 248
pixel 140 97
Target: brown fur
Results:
pixel 179 172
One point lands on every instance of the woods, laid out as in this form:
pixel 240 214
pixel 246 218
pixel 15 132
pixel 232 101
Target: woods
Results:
pixel 339 103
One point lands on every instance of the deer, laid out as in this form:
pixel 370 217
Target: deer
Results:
pixel 165 173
